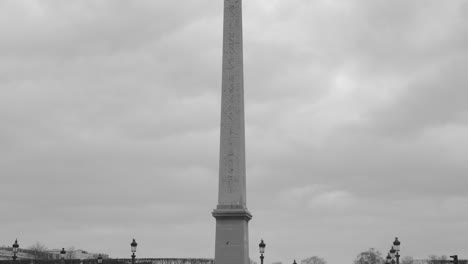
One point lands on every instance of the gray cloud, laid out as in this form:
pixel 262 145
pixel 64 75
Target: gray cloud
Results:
pixel 356 125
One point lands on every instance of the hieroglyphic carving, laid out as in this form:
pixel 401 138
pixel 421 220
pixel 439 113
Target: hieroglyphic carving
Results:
pixel 232 216
pixel 232 159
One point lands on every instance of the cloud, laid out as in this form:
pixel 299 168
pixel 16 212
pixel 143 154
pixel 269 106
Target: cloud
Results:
pixel 316 197
pixel 432 101
pixel 88 28
pixel 356 124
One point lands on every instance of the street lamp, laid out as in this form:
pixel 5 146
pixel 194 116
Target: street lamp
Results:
pixel 388 260
pixel 396 244
pixel 99 259
pixel 455 259
pixel 62 255
pixel 133 246
pixel 397 258
pixel 392 253
pixel 396 247
pixel 15 250
pixel 261 246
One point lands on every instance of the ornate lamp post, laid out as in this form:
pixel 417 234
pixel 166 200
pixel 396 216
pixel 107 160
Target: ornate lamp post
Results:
pixel 388 260
pixel 99 259
pixel 455 259
pixel 261 246
pixel 133 246
pixel 396 247
pixel 392 255
pixel 15 250
pixel 62 255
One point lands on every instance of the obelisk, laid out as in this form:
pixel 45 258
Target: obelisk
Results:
pixel 232 216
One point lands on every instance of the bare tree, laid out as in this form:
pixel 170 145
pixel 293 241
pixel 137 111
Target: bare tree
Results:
pixel 370 256
pixel 70 253
pixel 434 259
pixel 38 250
pixel 313 260
pixel 407 260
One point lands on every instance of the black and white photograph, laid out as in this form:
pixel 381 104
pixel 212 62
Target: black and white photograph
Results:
pixel 233 131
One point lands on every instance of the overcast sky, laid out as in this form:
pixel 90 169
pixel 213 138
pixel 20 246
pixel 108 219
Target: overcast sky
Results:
pixel 356 126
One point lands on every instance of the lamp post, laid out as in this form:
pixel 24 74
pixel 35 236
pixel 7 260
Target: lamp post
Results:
pixel 133 246
pixel 388 260
pixel 99 259
pixel 396 247
pixel 392 253
pixel 15 250
pixel 62 255
pixel 455 259
pixel 261 246
pixel 294 262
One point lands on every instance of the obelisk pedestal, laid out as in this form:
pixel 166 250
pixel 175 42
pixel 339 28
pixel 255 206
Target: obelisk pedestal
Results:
pixel 232 216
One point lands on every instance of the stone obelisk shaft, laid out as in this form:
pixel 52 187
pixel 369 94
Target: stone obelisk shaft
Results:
pixel 232 216
pixel 232 144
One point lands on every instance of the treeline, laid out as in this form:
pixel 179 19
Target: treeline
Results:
pixel 373 256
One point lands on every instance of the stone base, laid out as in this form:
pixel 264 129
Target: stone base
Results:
pixel 232 235
pixel 232 211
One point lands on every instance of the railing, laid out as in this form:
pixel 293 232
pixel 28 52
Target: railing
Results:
pixel 162 261
pixel 114 261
